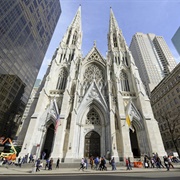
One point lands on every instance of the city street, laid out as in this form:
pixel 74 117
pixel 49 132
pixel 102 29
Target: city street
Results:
pixel 124 176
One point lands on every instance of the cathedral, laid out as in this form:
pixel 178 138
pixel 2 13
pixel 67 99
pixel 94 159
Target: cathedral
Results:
pixel 92 106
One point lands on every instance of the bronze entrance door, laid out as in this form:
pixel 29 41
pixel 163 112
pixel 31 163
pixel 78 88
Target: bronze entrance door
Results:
pixel 92 144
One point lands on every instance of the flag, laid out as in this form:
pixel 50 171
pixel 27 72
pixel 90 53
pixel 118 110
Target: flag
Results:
pixel 128 120
pixel 129 117
pixel 57 115
pixel 57 122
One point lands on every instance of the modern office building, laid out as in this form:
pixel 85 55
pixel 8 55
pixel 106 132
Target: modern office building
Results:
pixel 26 28
pixel 176 40
pixel 152 57
pixel 27 113
pixel 92 106
pixel 165 101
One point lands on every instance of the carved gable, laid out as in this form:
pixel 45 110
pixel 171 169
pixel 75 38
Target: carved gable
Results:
pixel 94 56
pixel 93 95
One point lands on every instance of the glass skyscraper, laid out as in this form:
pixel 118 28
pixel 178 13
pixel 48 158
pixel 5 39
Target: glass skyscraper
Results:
pixel 153 58
pixel 176 40
pixel 26 28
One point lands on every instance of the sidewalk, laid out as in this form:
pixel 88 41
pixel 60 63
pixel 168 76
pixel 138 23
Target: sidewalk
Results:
pixel 12 170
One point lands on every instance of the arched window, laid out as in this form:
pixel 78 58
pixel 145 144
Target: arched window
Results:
pixel 124 82
pixel 69 35
pixel 114 40
pixel 74 38
pixel 94 72
pixel 93 118
pixel 61 85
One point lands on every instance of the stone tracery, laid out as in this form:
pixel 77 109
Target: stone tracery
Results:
pixel 93 73
pixel 93 118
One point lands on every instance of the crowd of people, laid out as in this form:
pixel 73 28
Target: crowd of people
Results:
pixel 95 163
pixel 155 162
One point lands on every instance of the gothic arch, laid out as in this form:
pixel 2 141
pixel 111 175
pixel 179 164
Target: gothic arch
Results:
pixel 124 81
pixel 92 144
pixel 62 80
pixel 98 108
pixel 74 39
pixel 49 139
pixel 93 72
pixel 137 124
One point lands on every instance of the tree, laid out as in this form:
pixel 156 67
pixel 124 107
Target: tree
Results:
pixel 172 120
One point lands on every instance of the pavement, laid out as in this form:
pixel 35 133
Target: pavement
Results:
pixel 14 170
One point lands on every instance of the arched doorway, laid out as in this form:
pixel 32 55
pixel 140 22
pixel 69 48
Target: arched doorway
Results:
pixel 48 141
pixel 92 144
pixel 134 144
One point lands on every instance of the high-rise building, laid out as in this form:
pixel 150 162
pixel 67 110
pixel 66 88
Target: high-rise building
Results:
pixel 27 112
pixel 176 40
pixel 26 28
pixel 92 106
pixel 152 57
pixel 165 101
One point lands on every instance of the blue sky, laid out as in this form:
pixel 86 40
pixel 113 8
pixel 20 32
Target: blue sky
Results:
pixel 160 17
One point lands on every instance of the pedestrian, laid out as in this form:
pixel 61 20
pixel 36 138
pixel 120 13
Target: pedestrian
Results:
pixel 50 164
pixel 91 162
pixel 82 165
pixel 43 155
pixel 166 162
pixel 19 161
pixel 37 165
pixel 113 164
pixel 47 163
pixel 30 158
pixel 146 165
pixel 170 162
pixel 96 162
pixel 128 164
pixel 152 162
pixel 57 163
pixel 86 161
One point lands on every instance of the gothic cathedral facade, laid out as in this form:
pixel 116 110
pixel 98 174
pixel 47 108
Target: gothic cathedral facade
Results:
pixel 83 103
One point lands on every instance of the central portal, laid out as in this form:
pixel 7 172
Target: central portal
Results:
pixel 92 144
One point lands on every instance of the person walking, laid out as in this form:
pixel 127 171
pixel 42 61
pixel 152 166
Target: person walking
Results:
pixel 37 165
pixel 170 162
pixel 57 163
pixel 113 164
pixel 129 163
pixel 91 162
pixel 47 163
pixel 96 162
pixel 86 161
pixel 82 165
pixel 166 162
pixel 50 164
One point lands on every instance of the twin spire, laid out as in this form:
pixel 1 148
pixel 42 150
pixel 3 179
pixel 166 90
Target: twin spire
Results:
pixel 77 20
pixel 76 27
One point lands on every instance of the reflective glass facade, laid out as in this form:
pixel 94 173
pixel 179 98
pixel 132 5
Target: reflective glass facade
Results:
pixel 26 28
pixel 176 40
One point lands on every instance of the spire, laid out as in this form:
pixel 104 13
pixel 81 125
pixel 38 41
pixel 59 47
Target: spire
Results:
pixel 115 36
pixel 76 22
pixel 112 22
pixel 73 36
